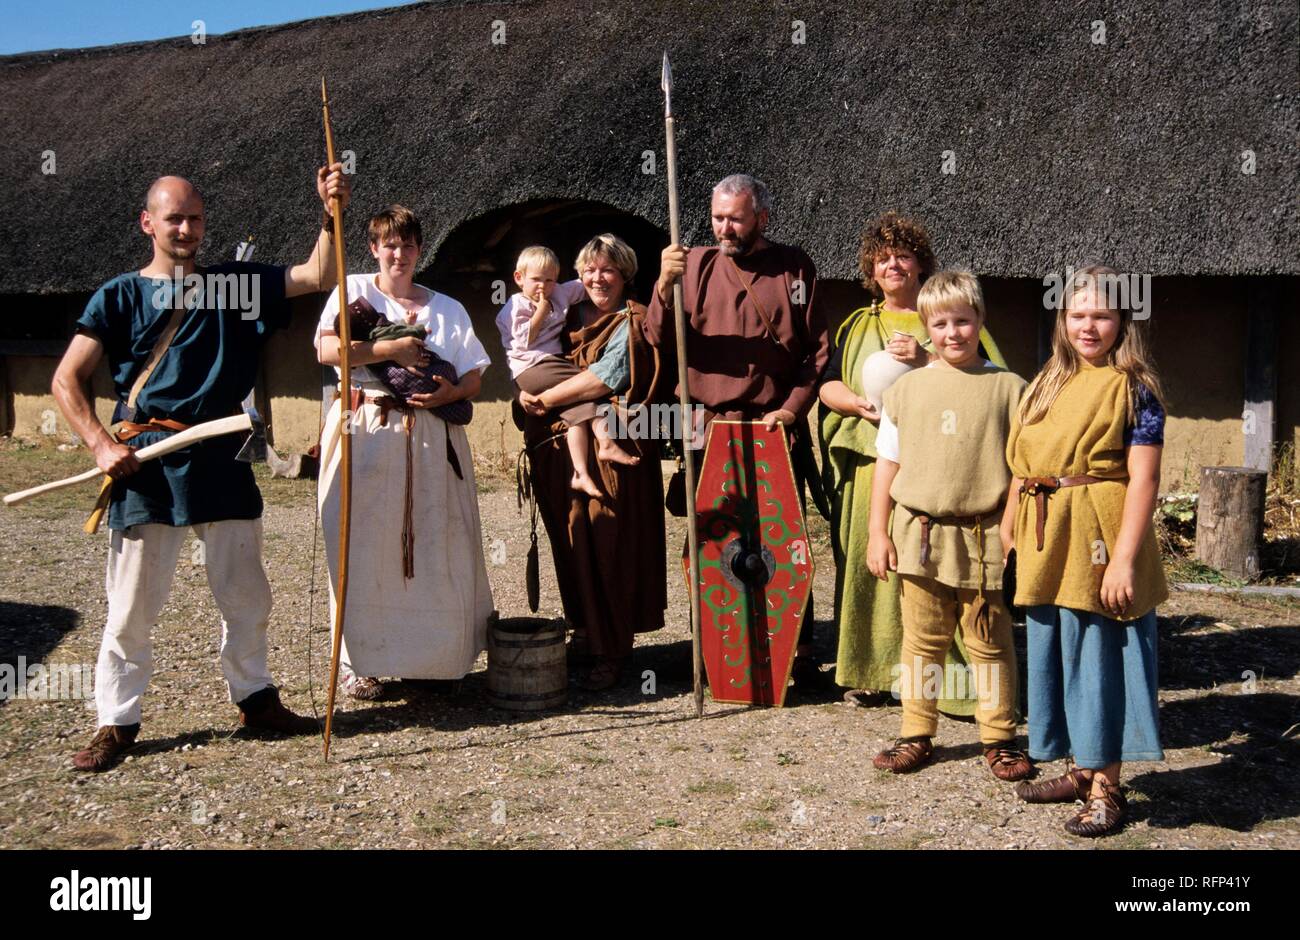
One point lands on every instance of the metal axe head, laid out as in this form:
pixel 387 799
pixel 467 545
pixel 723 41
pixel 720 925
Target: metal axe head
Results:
pixel 254 449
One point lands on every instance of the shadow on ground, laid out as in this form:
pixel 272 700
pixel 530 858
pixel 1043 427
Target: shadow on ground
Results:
pixel 1227 656
pixel 1252 782
pixel 32 631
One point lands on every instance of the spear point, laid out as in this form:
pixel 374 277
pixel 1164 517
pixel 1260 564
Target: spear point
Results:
pixel 666 82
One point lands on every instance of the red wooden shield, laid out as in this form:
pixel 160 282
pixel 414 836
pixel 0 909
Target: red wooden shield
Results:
pixel 756 567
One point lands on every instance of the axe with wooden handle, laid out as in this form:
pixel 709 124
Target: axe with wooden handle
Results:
pixel 199 432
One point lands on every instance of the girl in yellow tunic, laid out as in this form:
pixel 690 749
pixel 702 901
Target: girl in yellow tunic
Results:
pixel 896 259
pixel 1084 452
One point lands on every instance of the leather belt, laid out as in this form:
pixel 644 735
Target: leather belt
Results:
pixel 386 404
pixel 1042 487
pixel 927 521
pixel 983 618
pixel 131 429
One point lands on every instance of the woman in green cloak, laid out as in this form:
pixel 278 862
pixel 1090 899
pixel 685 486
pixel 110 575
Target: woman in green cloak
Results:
pixel 895 260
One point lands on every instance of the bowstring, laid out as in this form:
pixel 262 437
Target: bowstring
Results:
pixel 315 540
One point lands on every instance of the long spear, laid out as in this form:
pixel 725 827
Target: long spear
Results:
pixel 683 391
pixel 345 420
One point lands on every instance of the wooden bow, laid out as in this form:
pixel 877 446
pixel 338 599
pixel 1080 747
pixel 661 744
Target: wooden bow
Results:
pixel 345 437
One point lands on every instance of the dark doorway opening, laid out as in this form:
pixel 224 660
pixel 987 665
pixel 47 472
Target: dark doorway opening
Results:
pixel 476 262
pixel 484 249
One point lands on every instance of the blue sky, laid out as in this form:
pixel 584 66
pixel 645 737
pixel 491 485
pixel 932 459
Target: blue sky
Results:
pixel 72 24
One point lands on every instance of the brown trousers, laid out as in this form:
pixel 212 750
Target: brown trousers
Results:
pixel 545 376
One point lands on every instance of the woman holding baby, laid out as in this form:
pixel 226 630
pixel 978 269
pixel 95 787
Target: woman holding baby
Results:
pixel 418 596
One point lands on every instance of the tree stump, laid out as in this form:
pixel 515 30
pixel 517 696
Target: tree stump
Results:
pixel 1230 520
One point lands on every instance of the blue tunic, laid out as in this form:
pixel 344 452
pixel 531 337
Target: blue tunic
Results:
pixel 208 369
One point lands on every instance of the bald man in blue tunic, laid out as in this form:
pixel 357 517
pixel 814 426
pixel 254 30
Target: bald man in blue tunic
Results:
pixel 218 319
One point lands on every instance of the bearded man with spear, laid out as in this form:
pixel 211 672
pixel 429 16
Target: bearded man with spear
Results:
pixel 749 304
pixel 182 357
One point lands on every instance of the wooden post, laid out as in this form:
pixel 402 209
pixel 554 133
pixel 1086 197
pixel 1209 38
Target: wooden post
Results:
pixel 1259 410
pixel 329 384
pixel 1046 328
pixel 1230 520
pixel 6 412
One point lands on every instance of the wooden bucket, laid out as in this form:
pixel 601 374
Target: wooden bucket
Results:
pixel 527 666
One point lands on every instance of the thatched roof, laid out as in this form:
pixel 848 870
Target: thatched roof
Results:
pixel 1065 149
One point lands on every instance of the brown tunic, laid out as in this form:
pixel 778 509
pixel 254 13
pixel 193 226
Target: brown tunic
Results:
pixel 609 555
pixel 736 368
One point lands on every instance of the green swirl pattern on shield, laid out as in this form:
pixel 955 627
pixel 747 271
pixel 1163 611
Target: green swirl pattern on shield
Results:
pixel 747 505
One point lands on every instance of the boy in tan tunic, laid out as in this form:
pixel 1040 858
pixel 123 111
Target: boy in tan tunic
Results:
pixel 943 474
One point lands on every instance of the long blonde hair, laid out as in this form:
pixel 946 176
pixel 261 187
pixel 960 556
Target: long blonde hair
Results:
pixel 1129 355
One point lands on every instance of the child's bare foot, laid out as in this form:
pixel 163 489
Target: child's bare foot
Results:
pixel 609 452
pixel 585 484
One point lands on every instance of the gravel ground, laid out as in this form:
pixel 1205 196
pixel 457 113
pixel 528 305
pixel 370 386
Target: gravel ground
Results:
pixel 630 768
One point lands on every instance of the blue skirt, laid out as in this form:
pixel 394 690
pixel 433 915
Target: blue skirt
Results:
pixel 1092 687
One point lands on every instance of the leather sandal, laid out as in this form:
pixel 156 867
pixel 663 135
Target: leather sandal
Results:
pixel 604 675
pixel 1007 762
pixel 904 755
pixel 868 698
pixel 363 688
pixel 1071 786
pixel 1101 815
pixel 105 748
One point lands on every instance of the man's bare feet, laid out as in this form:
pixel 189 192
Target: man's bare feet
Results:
pixel 609 452
pixel 585 484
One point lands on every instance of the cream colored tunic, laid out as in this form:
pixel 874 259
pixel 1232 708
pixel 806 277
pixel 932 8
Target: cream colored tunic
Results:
pixel 432 626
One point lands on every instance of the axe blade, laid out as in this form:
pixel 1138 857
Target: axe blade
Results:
pixel 254 449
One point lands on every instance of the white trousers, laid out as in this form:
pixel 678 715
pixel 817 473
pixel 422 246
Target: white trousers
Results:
pixel 141 566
